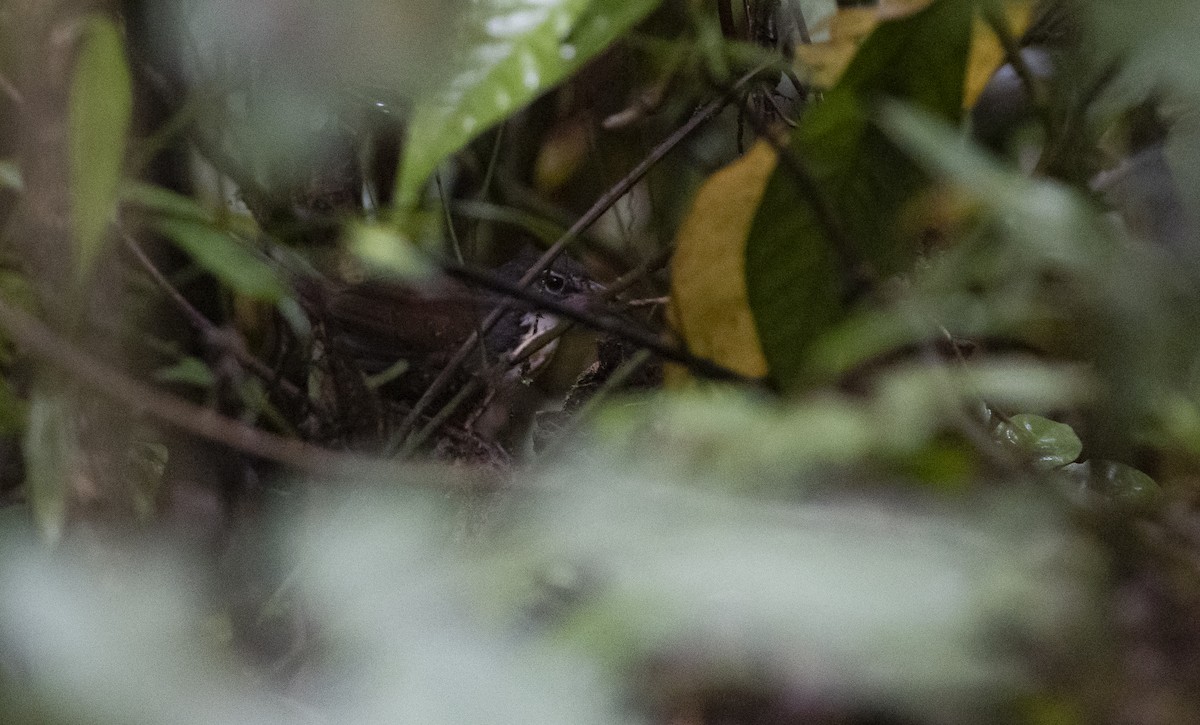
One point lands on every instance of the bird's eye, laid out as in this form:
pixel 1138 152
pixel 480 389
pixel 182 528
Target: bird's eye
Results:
pixel 553 282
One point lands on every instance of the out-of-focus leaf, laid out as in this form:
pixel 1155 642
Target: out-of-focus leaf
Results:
pixel 188 371
pixel 164 202
pixel 1115 484
pixel 1127 307
pixel 315 47
pixel 313 61
pixel 51 453
pixel 123 637
pixel 911 403
pixel 379 553
pixel 100 114
pixel 708 281
pixel 1048 443
pixel 737 442
pixel 385 249
pixel 1156 37
pixel 796 266
pixel 226 258
pixel 13 410
pixel 10 175
pixel 16 527
pixel 517 50
pixel 125 643
pixel 1053 222
pixel 562 153
pixel 846 598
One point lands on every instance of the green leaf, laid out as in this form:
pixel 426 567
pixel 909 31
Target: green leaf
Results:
pixel 388 250
pixel 226 258
pixel 1048 443
pixel 886 600
pixel 518 49
pixel 50 456
pixel 101 107
pixel 188 371
pixel 797 282
pixel 163 202
pixel 1111 483
pixel 166 203
pixel 13 410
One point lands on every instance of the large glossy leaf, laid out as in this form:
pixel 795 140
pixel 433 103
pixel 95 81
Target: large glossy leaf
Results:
pixel 517 49
pixel 101 110
pixel 797 282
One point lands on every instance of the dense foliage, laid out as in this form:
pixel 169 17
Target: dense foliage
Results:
pixel 599 361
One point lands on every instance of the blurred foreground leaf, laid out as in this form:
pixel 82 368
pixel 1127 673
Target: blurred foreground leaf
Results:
pixel 853 602
pixel 739 443
pixel 1112 484
pixel 100 116
pixel 1044 267
pixel 51 455
pixel 227 259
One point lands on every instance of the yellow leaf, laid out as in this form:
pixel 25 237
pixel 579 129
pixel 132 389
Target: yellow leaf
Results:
pixel 893 9
pixel 822 63
pixel 986 52
pixel 708 271
pixel 562 153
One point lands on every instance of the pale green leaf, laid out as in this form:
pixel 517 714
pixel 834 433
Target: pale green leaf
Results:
pixel 1110 483
pixel 188 371
pixel 50 449
pixel 100 114
pixel 226 258
pixel 1049 444
pixel 389 251
pixel 10 175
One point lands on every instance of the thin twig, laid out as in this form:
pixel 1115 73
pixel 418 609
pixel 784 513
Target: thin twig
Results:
pixel 39 340
pixel 801 24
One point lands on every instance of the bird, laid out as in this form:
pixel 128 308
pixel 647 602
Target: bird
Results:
pixel 396 338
